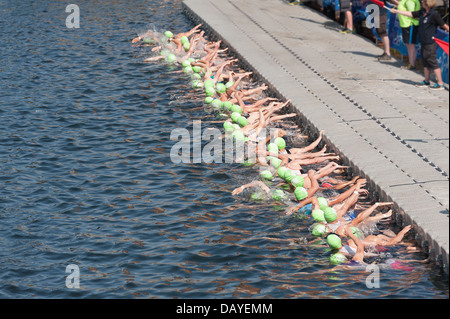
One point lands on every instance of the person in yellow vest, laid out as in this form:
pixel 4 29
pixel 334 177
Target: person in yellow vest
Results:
pixel 410 27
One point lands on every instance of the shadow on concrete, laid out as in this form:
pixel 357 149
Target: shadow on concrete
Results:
pixel 362 54
pixel 308 20
pixel 404 81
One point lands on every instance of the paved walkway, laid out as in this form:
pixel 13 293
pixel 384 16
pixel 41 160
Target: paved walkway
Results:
pixel 388 130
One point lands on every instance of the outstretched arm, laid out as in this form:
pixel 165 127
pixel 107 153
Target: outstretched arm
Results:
pixel 251 185
pixel 189 33
pixel 404 13
pixel 306 201
pixel 365 214
pixel 339 199
pixel 314 184
pixel 310 147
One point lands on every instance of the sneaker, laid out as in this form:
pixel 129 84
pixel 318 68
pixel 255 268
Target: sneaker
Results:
pixel 437 86
pixel 346 31
pixel 423 84
pixel 408 67
pixel 384 57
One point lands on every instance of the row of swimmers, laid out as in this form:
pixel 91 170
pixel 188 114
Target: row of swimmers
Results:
pixel 286 172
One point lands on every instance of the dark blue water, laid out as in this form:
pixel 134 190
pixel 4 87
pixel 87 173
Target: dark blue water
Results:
pixel 86 178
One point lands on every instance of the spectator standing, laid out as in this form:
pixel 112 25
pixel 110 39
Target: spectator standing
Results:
pixel 429 20
pixel 383 34
pixel 346 7
pixel 410 27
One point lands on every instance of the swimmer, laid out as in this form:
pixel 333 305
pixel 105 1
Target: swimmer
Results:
pixel 153 35
pixel 276 194
pixel 354 236
pixel 260 184
pixel 352 258
pixel 298 193
pixel 329 223
pixel 148 34
pixel 310 147
pixel 358 187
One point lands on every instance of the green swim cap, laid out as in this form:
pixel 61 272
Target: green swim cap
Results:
pixel 278 195
pixel 318 215
pixel 236 108
pixel 319 230
pixel 148 41
pixel 196 84
pixel 238 135
pixel 227 105
pixel 280 143
pixel 229 127
pixel 334 241
pixel 235 117
pixel 208 100
pixel 168 34
pixel 216 103
pixel 337 259
pixel 242 121
pixel 196 76
pixel 275 162
pixel 300 193
pixel 289 176
pixel 221 88
pixel 185 63
pixel 267 175
pixel 209 91
pixel 298 181
pixel 248 163
pixel 282 171
pixel 209 83
pixel 258 195
pixel 188 70
pixel 184 39
pixel 164 52
pixel 229 84
pixel 272 148
pixel 197 69
pixel 171 58
pixel 323 203
pixel 186 46
pixel 357 232
pixel 330 214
